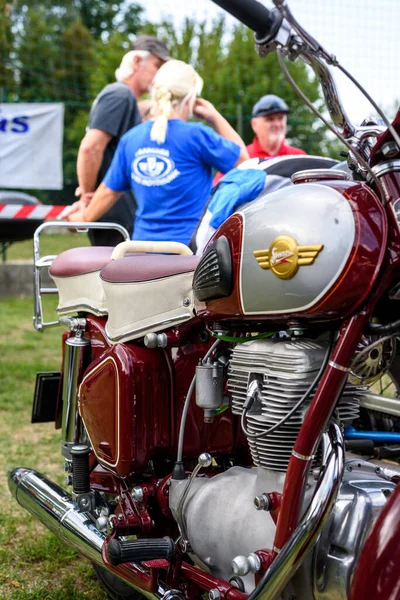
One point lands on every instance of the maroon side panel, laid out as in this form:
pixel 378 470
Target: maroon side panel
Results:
pixel 377 573
pixel 124 400
pixel 124 403
pixel 99 395
pixel 131 400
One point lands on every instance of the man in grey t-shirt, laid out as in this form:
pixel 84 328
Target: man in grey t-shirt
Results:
pixel 113 113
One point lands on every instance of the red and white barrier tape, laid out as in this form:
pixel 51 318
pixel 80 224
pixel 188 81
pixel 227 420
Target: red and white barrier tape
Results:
pixel 40 212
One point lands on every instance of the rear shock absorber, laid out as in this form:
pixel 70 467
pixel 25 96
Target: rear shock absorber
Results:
pixel 76 358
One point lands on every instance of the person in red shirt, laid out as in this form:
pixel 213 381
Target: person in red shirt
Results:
pixel 269 125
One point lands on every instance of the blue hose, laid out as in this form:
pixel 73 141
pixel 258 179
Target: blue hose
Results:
pixel 381 437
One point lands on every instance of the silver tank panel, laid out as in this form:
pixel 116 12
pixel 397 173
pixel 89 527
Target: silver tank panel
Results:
pixel 310 215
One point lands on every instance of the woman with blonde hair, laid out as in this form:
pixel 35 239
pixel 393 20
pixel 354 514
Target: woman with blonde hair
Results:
pixel 168 162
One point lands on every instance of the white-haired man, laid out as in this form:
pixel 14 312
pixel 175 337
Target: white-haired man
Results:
pixel 113 113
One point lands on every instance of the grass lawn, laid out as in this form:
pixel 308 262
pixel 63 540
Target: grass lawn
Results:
pixel 34 565
pixel 51 243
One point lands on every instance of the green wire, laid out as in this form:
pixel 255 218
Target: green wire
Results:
pixel 241 340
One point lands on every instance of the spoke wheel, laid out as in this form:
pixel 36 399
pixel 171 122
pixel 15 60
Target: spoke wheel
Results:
pixel 384 395
pixel 387 386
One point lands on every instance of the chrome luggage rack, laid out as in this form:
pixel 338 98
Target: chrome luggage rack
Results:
pixel 44 262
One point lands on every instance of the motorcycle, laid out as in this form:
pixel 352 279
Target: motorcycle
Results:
pixel 204 401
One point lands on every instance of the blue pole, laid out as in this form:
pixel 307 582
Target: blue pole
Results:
pixel 383 437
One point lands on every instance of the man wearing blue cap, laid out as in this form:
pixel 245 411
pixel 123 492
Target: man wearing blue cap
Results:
pixel 269 125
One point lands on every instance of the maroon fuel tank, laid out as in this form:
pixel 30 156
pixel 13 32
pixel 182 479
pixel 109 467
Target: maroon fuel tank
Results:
pixel 311 251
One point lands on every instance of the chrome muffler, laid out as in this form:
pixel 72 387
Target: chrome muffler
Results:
pixel 54 507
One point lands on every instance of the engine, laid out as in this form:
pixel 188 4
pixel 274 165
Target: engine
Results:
pixel 285 369
pixel 277 373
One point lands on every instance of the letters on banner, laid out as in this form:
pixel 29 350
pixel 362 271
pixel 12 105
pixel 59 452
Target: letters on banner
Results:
pixel 31 139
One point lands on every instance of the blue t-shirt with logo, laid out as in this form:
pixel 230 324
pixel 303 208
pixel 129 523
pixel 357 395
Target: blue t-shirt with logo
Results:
pixel 171 181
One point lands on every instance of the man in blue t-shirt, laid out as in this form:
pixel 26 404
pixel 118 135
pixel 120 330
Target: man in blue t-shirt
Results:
pixel 171 179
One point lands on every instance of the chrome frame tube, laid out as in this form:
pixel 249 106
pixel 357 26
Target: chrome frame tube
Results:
pixel 301 542
pixel 46 261
pixel 378 403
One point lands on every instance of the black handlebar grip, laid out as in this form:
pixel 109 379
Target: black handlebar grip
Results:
pixel 126 551
pixel 252 14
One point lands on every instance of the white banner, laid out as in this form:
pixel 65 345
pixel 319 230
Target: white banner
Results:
pixel 31 138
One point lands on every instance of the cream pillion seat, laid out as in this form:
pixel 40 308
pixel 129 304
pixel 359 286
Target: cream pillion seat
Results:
pixel 140 288
pixel 76 273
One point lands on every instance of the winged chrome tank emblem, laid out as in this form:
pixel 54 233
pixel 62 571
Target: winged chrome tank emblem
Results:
pixel 285 256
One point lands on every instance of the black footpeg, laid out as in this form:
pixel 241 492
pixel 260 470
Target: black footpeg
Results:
pixel 126 551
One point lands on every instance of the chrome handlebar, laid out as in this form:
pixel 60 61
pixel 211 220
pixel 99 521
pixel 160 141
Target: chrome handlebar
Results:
pixel 335 107
pixel 295 42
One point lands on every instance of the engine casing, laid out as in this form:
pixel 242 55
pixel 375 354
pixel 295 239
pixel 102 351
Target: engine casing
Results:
pixel 312 250
pixel 284 368
pixel 221 522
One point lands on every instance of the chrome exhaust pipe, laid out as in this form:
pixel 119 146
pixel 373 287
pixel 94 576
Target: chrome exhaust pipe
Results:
pixel 306 533
pixel 54 507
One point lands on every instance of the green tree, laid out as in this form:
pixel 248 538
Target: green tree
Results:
pixel 77 43
pixel 100 17
pixel 236 77
pixel 36 59
pixel 50 51
pixel 7 83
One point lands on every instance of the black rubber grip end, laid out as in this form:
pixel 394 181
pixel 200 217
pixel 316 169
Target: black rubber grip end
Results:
pixel 126 551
